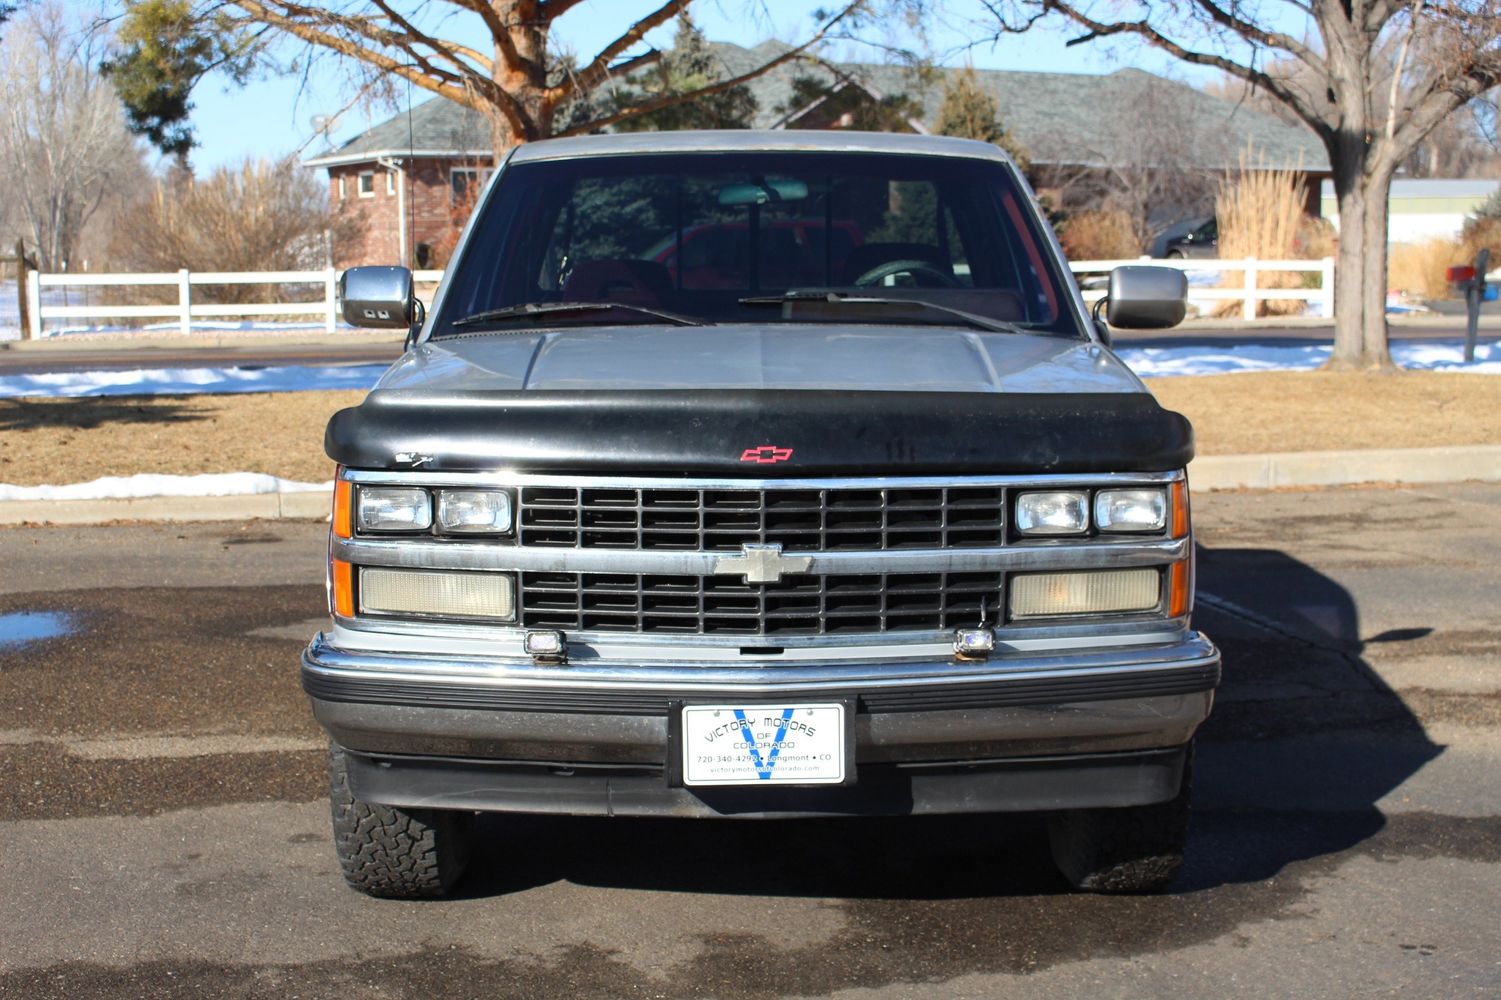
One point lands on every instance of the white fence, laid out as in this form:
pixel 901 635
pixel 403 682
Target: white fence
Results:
pixel 185 310
pixel 326 308
pixel 1248 292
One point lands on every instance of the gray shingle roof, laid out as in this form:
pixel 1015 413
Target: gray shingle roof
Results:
pixel 1125 117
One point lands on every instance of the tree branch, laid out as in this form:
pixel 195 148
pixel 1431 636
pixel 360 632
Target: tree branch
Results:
pixel 1299 105
pixel 594 74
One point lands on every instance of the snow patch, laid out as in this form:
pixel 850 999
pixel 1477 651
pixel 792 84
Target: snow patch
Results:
pixel 1419 355
pixel 180 381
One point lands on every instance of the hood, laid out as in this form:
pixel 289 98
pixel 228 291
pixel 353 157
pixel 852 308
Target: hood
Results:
pixel 760 402
pixel 847 358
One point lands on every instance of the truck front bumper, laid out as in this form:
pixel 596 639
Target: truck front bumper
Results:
pixel 1036 731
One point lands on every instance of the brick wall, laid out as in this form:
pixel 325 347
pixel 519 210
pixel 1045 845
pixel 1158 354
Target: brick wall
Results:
pixel 435 210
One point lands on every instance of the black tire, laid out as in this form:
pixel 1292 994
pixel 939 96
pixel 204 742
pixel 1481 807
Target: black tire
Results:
pixel 395 853
pixel 1137 849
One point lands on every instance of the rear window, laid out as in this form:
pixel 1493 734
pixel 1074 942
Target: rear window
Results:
pixel 700 234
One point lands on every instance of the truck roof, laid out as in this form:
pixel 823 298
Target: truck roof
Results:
pixel 754 140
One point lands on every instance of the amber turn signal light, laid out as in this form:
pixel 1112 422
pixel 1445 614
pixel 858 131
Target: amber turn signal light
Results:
pixel 343 521
pixel 1180 509
pixel 1178 589
pixel 341 588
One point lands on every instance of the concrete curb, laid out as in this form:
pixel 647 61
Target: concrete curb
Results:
pixel 1461 463
pixel 1452 464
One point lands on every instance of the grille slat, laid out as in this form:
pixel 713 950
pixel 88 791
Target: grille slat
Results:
pixel 801 520
pixel 806 605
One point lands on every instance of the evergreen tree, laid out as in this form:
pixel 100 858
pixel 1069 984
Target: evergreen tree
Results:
pixel 968 112
pixel 690 66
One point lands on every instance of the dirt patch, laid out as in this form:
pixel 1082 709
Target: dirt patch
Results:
pixel 75 440
pixel 1322 411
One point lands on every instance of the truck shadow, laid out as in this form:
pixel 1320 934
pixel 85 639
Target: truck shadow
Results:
pixel 1304 741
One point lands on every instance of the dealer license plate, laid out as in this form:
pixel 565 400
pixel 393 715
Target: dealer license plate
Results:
pixel 764 744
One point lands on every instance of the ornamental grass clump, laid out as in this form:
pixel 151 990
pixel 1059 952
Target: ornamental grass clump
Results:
pixel 1260 210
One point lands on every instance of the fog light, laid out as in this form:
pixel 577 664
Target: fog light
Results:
pixel 474 512
pixel 1035 595
pixel 974 643
pixel 1130 510
pixel 438 594
pixel 1058 513
pixel 385 508
pixel 548 647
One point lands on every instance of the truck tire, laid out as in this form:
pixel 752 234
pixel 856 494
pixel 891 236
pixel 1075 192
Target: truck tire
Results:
pixel 1137 849
pixel 395 853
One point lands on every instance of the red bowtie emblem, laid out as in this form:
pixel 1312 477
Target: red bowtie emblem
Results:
pixel 766 454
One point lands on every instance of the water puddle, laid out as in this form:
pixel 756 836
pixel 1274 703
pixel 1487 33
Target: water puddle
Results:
pixel 17 628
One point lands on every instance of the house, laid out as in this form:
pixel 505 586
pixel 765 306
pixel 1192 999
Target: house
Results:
pixel 411 176
pixel 1419 210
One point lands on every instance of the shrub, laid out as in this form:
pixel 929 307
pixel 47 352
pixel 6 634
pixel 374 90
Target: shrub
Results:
pixel 1418 268
pixel 1100 234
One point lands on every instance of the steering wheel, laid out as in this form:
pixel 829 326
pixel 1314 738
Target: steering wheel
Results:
pixel 881 272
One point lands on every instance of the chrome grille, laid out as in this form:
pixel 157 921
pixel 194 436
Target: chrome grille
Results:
pixel 803 520
pixel 726 605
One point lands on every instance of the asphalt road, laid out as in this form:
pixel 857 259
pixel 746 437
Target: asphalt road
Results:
pixel 165 354
pixel 163 830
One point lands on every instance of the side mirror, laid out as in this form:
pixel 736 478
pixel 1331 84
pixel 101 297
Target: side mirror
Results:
pixel 378 297
pixel 1142 297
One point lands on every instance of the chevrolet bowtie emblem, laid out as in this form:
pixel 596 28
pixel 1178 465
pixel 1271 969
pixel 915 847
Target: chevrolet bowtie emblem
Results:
pixel 761 564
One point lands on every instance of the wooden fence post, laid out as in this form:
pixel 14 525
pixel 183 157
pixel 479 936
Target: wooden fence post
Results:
pixel 21 303
pixel 1326 282
pixel 33 295
pixel 331 300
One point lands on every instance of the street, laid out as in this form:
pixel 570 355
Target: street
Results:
pixel 164 830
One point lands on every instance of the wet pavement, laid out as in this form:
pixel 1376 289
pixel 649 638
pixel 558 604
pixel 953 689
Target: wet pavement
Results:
pixel 163 830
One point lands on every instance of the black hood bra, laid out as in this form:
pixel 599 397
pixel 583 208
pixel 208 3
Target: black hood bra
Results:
pixel 760 433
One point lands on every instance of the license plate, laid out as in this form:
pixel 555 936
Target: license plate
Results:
pixel 764 744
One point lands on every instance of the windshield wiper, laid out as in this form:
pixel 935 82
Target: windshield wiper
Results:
pixel 795 297
pixel 546 310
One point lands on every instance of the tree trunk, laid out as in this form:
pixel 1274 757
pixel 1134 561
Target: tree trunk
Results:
pixel 1360 334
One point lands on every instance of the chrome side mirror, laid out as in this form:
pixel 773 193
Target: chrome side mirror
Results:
pixel 1142 297
pixel 379 297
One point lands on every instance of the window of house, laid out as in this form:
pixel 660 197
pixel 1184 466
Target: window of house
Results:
pixel 464 183
pixel 367 184
pixel 390 182
pixel 341 188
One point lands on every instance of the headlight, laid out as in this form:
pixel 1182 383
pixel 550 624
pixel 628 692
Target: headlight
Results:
pixel 474 512
pixel 1059 513
pixel 1130 510
pixel 387 508
pixel 441 594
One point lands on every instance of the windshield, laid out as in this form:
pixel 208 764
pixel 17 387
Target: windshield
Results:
pixel 730 238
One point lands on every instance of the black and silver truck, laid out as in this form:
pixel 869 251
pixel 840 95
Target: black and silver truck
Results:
pixel 759 475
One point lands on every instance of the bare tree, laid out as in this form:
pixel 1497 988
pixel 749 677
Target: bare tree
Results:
pixel 63 140
pixel 490 55
pixel 262 215
pixel 1446 53
pixel 1152 162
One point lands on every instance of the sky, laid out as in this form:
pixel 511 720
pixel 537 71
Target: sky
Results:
pixel 273 117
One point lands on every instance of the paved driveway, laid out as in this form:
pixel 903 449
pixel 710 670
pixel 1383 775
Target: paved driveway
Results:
pixel 163 832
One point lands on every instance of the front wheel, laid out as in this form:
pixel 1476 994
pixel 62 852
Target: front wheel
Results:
pixel 395 853
pixel 1128 850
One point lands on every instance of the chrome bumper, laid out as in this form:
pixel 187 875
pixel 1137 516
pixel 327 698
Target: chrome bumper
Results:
pixel 1020 705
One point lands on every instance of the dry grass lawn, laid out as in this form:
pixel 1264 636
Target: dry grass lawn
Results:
pixel 75 440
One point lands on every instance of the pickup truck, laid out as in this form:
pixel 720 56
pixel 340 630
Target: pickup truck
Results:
pixel 850 512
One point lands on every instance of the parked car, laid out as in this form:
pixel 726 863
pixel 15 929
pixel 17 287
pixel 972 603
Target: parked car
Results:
pixel 858 515
pixel 1203 240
